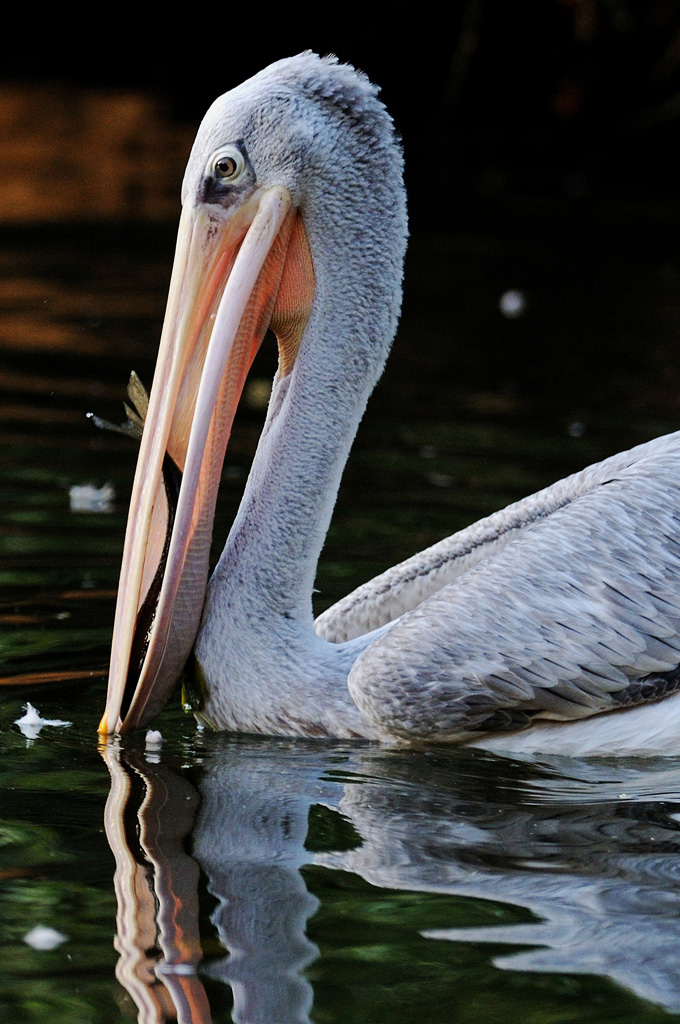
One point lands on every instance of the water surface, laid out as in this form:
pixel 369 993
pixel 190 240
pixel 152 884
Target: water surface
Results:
pixel 272 880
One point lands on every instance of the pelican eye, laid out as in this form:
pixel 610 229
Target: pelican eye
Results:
pixel 227 164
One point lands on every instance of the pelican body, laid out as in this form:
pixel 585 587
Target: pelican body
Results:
pixel 553 624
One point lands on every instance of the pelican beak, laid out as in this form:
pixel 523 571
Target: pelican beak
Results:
pixel 234 276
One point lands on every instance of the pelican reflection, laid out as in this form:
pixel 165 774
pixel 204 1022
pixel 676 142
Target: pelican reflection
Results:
pixel 585 854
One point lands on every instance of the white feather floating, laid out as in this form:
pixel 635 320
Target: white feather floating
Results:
pixel 31 723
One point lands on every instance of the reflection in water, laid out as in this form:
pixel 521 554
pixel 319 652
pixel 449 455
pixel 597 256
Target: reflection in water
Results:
pixel 250 841
pixel 149 813
pixel 590 849
pixel 599 869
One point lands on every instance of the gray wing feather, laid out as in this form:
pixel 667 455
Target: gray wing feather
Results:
pixel 555 623
pixel 405 586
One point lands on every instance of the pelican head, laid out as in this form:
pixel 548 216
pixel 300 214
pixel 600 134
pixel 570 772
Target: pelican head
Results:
pixel 294 181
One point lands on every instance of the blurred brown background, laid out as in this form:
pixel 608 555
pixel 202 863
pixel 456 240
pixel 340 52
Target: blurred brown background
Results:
pixel 535 97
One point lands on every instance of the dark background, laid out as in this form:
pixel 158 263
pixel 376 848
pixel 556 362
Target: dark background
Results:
pixel 541 154
pixel 515 97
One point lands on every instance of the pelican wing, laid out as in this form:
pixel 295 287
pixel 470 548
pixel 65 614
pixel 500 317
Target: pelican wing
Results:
pixel 407 585
pixel 576 612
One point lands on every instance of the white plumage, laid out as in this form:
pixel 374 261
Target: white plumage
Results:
pixel 563 606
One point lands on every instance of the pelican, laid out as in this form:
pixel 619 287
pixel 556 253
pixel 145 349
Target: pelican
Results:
pixel 553 624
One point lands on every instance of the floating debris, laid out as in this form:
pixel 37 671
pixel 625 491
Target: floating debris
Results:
pixel 512 303
pixel 31 723
pixel 439 479
pixel 154 742
pixel 88 498
pixel 44 938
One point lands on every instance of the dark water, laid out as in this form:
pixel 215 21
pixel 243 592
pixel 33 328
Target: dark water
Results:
pixel 328 882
